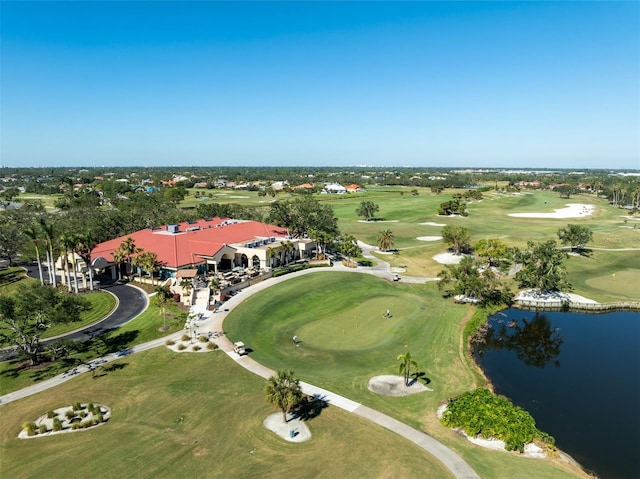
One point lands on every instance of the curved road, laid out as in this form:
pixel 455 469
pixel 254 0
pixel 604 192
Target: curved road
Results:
pixel 130 302
pixel 458 466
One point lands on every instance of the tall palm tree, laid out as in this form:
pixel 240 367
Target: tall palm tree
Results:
pixel 406 363
pixel 385 240
pixel 86 244
pixel 65 245
pixel 47 229
pixel 33 234
pixel 163 295
pixel 128 250
pixel 283 391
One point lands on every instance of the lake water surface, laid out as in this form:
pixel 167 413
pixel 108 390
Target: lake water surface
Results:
pixel 579 377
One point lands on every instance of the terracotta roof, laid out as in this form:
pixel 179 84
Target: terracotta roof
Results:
pixel 187 273
pixel 192 241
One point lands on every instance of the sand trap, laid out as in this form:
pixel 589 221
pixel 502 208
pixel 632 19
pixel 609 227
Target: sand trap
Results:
pixel 429 238
pixel 388 385
pixel 431 223
pixel 236 196
pixel 572 210
pixel 283 429
pixel 448 258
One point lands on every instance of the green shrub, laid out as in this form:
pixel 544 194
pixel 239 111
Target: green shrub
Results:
pixel 170 342
pixel 185 337
pixel 196 347
pixel 203 339
pixel 70 414
pixel 100 418
pixel 51 414
pixel 90 407
pixel 75 425
pixel 42 429
pixel 57 424
pixel 30 427
pixel 77 406
pixel 181 347
pixel 481 413
pixel 212 346
pixel 82 414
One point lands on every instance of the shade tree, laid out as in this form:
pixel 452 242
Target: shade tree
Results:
pixel 577 236
pixel 543 266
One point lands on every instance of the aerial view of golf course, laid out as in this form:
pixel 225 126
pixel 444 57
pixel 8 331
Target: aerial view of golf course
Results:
pixel 358 325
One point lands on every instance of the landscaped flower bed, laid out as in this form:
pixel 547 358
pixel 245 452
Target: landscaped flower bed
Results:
pixel 76 417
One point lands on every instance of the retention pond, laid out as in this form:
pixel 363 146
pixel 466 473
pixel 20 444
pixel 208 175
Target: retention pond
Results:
pixel 578 375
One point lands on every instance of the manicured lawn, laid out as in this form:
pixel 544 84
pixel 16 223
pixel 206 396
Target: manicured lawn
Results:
pixel 197 415
pixel 345 341
pixel 145 327
pixel 12 278
pixel 102 303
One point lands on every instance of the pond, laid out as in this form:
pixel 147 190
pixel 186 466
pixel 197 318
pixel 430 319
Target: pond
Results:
pixel 579 377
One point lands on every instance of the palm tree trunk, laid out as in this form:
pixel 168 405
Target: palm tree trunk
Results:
pixel 39 265
pixel 75 272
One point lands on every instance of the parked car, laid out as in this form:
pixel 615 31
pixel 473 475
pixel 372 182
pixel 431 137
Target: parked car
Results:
pixel 396 277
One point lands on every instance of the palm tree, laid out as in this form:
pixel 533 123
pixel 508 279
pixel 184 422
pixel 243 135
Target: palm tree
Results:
pixel 283 391
pixel 33 234
pixel 126 251
pixel 406 363
pixel 163 294
pixel 385 240
pixel 186 284
pixel 49 238
pixel 86 243
pixel 65 244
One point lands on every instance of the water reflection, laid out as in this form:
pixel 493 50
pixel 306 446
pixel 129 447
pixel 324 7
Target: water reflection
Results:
pixel 535 341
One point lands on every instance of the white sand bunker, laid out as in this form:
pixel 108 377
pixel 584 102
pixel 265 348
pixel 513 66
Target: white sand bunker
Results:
pixel 236 196
pixel 571 210
pixel 294 430
pixel 429 238
pixel 431 223
pixel 448 258
pixel 388 385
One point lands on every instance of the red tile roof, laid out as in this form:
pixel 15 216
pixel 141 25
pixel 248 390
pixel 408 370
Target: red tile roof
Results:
pixel 193 240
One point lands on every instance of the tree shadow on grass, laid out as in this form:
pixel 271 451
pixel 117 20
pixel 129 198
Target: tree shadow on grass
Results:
pixel 309 407
pixel 419 376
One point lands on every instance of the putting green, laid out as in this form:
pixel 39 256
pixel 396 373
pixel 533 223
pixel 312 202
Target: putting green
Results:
pixel 622 283
pixel 362 326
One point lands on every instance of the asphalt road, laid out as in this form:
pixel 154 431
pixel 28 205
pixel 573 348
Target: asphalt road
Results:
pixel 131 301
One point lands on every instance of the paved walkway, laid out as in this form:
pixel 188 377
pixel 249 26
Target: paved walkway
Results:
pixel 213 322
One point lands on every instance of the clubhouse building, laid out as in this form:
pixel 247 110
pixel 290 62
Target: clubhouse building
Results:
pixel 210 247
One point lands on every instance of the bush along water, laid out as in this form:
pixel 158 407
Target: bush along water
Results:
pixel 480 413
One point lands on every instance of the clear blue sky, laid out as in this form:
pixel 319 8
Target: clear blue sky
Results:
pixel 476 84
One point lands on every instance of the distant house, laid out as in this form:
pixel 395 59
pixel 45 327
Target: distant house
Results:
pixel 279 185
pixel 201 184
pixel 334 189
pixel 303 186
pixel 353 188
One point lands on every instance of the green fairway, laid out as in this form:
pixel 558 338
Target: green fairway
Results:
pixel 197 415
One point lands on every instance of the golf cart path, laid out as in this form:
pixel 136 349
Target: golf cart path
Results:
pixel 213 322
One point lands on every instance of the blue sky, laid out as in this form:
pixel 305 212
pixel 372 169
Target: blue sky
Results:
pixel 464 84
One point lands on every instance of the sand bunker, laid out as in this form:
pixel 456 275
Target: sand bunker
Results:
pixel 431 223
pixel 572 210
pixel 448 258
pixel 429 238
pixel 388 385
pixel 283 429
